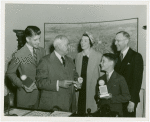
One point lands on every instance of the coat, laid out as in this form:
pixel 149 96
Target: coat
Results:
pixel 23 62
pixel 93 73
pixel 49 71
pixel 131 68
pixel 117 86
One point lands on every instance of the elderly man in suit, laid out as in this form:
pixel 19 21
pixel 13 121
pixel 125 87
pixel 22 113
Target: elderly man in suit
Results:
pixel 25 61
pixel 116 85
pixel 130 66
pixel 55 77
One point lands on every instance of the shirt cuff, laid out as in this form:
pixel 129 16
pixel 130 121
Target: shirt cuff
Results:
pixel 57 85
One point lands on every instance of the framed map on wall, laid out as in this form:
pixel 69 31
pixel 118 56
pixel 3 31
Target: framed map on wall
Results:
pixel 103 33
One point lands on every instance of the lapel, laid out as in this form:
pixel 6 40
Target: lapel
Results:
pixel 27 54
pixel 111 81
pixel 56 64
pixel 125 60
pixel 91 64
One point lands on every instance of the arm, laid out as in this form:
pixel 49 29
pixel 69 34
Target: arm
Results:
pixel 137 77
pixel 124 96
pixel 11 72
pixel 43 82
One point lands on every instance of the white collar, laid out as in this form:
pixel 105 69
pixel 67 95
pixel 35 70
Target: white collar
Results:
pixel 110 73
pixel 125 52
pixel 85 54
pixel 30 48
pixel 58 56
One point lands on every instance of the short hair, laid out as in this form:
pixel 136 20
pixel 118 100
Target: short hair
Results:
pixel 59 39
pixel 125 34
pixel 85 34
pixel 111 57
pixel 31 31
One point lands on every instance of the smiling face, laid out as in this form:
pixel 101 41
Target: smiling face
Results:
pixel 121 42
pixel 106 64
pixel 34 41
pixel 85 43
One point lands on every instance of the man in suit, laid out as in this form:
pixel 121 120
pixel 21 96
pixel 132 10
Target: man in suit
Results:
pixel 25 61
pixel 116 85
pixel 55 77
pixel 130 66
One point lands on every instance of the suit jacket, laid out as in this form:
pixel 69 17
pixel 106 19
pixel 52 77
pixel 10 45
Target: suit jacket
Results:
pixel 93 73
pixel 23 62
pixel 131 68
pixel 117 86
pixel 49 70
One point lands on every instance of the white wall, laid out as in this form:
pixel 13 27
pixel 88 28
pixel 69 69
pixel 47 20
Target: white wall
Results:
pixel 19 16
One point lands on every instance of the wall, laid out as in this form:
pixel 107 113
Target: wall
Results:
pixel 19 16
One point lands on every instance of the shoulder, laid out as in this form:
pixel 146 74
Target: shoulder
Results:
pixel 136 55
pixel 119 77
pixel 79 55
pixel 19 53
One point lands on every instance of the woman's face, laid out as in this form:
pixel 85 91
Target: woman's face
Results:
pixel 85 42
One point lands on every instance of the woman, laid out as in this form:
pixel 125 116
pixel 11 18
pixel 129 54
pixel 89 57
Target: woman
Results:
pixel 87 65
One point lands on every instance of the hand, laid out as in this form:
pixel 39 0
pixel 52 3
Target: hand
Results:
pixel 77 84
pixel 107 97
pixel 130 106
pixel 65 83
pixel 31 88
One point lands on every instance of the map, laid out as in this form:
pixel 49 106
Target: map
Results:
pixel 103 33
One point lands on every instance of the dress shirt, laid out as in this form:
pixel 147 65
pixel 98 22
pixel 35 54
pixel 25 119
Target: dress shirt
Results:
pixel 110 73
pixel 59 57
pixel 125 52
pixel 30 48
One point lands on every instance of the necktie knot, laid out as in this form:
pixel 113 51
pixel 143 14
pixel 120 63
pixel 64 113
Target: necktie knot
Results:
pixel 63 60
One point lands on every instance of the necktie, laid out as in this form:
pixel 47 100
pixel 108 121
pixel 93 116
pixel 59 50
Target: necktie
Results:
pixel 121 56
pixel 63 61
pixel 35 55
pixel 107 76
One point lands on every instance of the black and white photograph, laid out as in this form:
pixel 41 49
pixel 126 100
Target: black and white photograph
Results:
pixel 74 61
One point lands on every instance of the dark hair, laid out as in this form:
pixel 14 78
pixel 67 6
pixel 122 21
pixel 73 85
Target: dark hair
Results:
pixel 125 34
pixel 31 31
pixel 91 44
pixel 111 57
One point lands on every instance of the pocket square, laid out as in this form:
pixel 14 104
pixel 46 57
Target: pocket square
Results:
pixel 128 63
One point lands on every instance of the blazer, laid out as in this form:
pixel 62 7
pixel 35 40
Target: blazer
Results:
pixel 131 68
pixel 23 62
pixel 117 86
pixel 93 73
pixel 49 70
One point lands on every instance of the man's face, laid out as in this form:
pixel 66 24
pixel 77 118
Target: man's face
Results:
pixel 34 41
pixel 105 63
pixel 64 47
pixel 121 42
pixel 85 42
